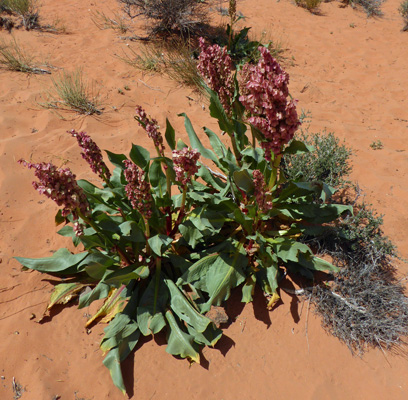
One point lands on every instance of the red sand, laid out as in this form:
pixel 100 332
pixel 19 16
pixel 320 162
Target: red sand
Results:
pixel 354 81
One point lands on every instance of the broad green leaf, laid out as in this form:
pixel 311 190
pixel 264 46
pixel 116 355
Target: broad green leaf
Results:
pixel 197 273
pixel 184 310
pixel 140 156
pixel 112 362
pixel 225 274
pixel 190 233
pixel 248 289
pixel 99 292
pixel 219 147
pixel 62 262
pixel 116 159
pixel 217 111
pixel 124 275
pixel 298 147
pixel 179 342
pixel 195 142
pixel 244 181
pixel 158 178
pixel 209 337
pixel 160 243
pixel 151 306
pixel 170 135
pixel 131 231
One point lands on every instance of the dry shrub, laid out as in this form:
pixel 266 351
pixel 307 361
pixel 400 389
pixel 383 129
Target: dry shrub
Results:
pixel 169 16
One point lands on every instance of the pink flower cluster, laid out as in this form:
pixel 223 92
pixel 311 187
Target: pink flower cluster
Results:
pixel 264 92
pixel 185 164
pixel 260 191
pixel 91 153
pixel 138 189
pixel 151 127
pixel 59 184
pixel 215 66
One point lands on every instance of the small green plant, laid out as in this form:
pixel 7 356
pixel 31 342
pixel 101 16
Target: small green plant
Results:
pixel 329 162
pixel 73 93
pixel 371 7
pixel 377 145
pixel 27 10
pixel 14 58
pixel 102 21
pixel 403 10
pixel 310 5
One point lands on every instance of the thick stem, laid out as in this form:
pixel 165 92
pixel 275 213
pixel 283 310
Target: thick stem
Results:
pixel 157 283
pixel 275 171
pixel 235 149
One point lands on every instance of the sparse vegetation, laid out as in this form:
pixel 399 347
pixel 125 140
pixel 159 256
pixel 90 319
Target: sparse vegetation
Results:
pixel 377 145
pixel 403 10
pixel 102 21
pixel 27 10
pixel 73 93
pixel 14 58
pixel 185 17
pixel 310 5
pixel 371 7
pixel 329 162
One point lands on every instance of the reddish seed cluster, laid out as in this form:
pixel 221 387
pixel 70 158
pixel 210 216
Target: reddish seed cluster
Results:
pixel 260 191
pixel 185 164
pixel 215 66
pixel 264 92
pixel 92 154
pixel 138 189
pixel 59 184
pixel 151 127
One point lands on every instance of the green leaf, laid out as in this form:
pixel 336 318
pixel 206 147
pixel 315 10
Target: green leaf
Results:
pixel 184 310
pixel 99 292
pixel 140 156
pixel 209 337
pixel 152 321
pixel 124 275
pixel 62 262
pixel 170 135
pixel 219 147
pixel 298 147
pixel 179 342
pixel 225 274
pixel 248 289
pixel 217 111
pixel 195 142
pixel 131 231
pixel 112 362
pixel 160 243
pixel 244 181
pixel 116 159
pixel 158 178
pixel 197 273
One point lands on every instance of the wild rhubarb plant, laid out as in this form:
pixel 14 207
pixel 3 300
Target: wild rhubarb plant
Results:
pixel 167 236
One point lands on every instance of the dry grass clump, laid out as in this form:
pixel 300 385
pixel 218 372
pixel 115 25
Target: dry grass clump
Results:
pixel 14 58
pixel 75 94
pixel 102 21
pixel 403 10
pixel 174 58
pixel 310 5
pixel 170 16
pixel 27 10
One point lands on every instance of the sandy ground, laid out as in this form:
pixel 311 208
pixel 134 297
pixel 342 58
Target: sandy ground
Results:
pixel 349 71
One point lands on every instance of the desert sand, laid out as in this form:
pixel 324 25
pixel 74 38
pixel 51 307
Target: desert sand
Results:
pixel 350 71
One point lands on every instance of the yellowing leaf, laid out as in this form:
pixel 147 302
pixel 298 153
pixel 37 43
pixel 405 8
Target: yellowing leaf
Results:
pixel 112 305
pixel 273 300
